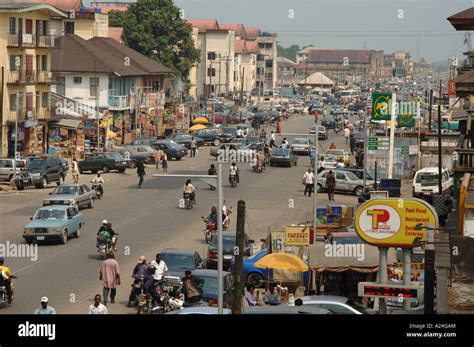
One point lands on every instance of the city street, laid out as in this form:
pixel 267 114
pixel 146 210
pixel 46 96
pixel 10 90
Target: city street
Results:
pixel 149 220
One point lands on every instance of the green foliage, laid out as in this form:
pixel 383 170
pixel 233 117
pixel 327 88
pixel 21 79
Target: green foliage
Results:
pixel 155 29
pixel 289 53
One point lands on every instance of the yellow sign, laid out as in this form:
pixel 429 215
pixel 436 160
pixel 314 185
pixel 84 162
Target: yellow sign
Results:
pixel 395 222
pixel 297 236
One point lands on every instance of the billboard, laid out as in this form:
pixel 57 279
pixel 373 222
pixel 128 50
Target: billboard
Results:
pixel 393 222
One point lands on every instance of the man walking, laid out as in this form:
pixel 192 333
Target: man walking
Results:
pixel 75 170
pixel 97 307
pixel 110 277
pixel 347 133
pixel 193 147
pixel 330 184
pixel 308 180
pixel 272 140
pixel 45 309
pixel 140 172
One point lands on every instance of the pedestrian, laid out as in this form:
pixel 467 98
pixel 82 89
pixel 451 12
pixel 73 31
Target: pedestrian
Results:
pixel 160 268
pixel 191 288
pixel 330 184
pixel 352 143
pixel 413 171
pixel 347 133
pixel 193 147
pixel 141 267
pixel 333 146
pixel 164 162
pixel 110 277
pixel 97 307
pixel 158 154
pixel 140 172
pixel 272 140
pixel 45 309
pixel 75 170
pixel 308 181
pixel 278 127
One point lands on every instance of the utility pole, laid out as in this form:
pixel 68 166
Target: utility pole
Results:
pixel 15 155
pixel 429 273
pixel 220 69
pixel 392 136
pixel 430 111
pixel 239 259
pixel 242 75
pixel 440 164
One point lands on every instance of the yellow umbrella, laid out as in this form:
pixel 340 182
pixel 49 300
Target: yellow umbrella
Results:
pixel 197 127
pixel 282 261
pixel 200 120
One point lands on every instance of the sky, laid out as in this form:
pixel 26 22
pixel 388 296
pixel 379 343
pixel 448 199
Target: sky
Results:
pixel 417 26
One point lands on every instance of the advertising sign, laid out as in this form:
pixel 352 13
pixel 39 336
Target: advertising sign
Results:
pixel 395 222
pixel 382 103
pixel 297 235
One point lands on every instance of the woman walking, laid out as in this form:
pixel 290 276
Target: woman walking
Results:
pixel 164 162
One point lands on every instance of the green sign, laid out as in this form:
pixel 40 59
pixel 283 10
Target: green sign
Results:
pixel 405 150
pixel 376 143
pixel 382 103
pixel 405 121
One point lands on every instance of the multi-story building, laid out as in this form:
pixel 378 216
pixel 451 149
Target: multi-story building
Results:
pixel 302 55
pixel 286 71
pixel 245 72
pixel 266 60
pixel 25 55
pixel 398 64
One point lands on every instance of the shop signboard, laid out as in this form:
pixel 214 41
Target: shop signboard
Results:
pixel 297 235
pixel 393 222
pixel 381 109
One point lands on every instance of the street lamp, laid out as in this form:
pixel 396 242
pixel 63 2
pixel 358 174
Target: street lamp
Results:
pixel 218 181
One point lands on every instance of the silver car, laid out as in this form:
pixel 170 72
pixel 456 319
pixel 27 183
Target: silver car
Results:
pixel 335 304
pixel 6 168
pixel 346 181
pixel 74 195
pixel 301 145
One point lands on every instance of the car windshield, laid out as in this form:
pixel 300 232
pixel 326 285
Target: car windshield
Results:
pixel 322 128
pixel 334 152
pixel 178 261
pixel 51 214
pixel 37 164
pixel 300 141
pixel 227 240
pixel 231 131
pixel 113 155
pixel 330 160
pixel 329 119
pixel 210 284
pixel 281 151
pixel 253 139
pixel 173 144
pixel 427 178
pixel 65 190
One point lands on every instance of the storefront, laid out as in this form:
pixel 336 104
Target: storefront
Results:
pixel 31 138
pixel 66 138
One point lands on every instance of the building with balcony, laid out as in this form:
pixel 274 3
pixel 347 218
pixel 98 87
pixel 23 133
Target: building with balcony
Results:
pixel 104 74
pixel 245 65
pixel 286 70
pixel 25 55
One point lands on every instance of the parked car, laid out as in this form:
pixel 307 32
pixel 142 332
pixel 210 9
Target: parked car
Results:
pixel 179 260
pixel 301 145
pixel 143 141
pixel 335 304
pixel 425 182
pixel 322 133
pixel 206 310
pixel 213 136
pixel 360 173
pixel 6 168
pixel 54 223
pixel 43 156
pixel 229 239
pixel 42 171
pixel 254 142
pixel 74 195
pixel 128 157
pixel 185 140
pixel 329 122
pixel 142 153
pixel 209 288
pixel 105 162
pixel 283 156
pixel 171 148
pixel 346 182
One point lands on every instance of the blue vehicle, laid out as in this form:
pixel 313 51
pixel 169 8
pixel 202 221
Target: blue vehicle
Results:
pixel 210 284
pixel 54 223
pixel 257 276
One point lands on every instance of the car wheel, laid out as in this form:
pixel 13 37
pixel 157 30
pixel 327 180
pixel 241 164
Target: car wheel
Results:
pixel 44 183
pixel 359 191
pixel 81 171
pixel 255 279
pixel 178 158
pixel 121 170
pixel 64 238
pixel 91 203
pixel 217 142
pixel 320 188
pixel 20 187
pixel 105 169
pixel 60 180
pixel 78 232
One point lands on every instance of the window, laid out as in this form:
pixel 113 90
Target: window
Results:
pixel 77 80
pixel 44 63
pixel 69 27
pixel 211 72
pixel 45 99
pixel 38 100
pixel 340 176
pixel 156 86
pixel 94 87
pixel 261 45
pixel 15 62
pixel 211 56
pixel 12 102
pixel 12 25
pixel 61 86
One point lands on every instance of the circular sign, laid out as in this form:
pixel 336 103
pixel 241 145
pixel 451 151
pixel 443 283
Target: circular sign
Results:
pixel 393 222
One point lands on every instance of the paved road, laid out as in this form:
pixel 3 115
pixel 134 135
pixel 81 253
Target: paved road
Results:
pixel 148 221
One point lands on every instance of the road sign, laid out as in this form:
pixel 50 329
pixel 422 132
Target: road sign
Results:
pixel 405 150
pixel 395 222
pixel 406 291
pixel 377 143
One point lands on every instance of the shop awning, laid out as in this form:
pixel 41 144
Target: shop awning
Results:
pixel 68 123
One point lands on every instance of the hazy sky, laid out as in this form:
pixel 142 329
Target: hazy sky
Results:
pixel 349 24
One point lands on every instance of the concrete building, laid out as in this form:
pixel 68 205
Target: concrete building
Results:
pixel 267 60
pixel 245 65
pixel 25 54
pixel 303 54
pixel 286 71
pixel 398 64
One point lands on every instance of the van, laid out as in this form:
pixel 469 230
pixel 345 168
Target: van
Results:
pixel 425 182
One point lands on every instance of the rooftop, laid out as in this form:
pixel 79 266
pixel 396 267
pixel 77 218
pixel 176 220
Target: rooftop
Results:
pixel 463 20
pixel 63 5
pixel 20 7
pixel 204 25
pixel 336 56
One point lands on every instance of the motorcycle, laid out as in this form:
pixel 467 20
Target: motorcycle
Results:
pixel 104 247
pixel 211 229
pixel 258 166
pixel 188 204
pixel 98 189
pixel 3 293
pixel 233 181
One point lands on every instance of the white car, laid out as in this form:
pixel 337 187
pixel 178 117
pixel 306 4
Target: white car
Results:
pixel 301 145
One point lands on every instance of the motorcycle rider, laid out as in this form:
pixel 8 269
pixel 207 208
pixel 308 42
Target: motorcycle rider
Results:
pixel 192 288
pixel 108 234
pixel 190 189
pixel 6 279
pixel 213 215
pixel 212 172
pixel 234 171
pixel 267 152
pixel 98 181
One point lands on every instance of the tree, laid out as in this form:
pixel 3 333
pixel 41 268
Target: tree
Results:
pixel 289 53
pixel 155 28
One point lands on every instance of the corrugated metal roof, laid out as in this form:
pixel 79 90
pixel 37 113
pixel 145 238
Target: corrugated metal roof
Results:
pixel 204 24
pixel 336 56
pixel 69 123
